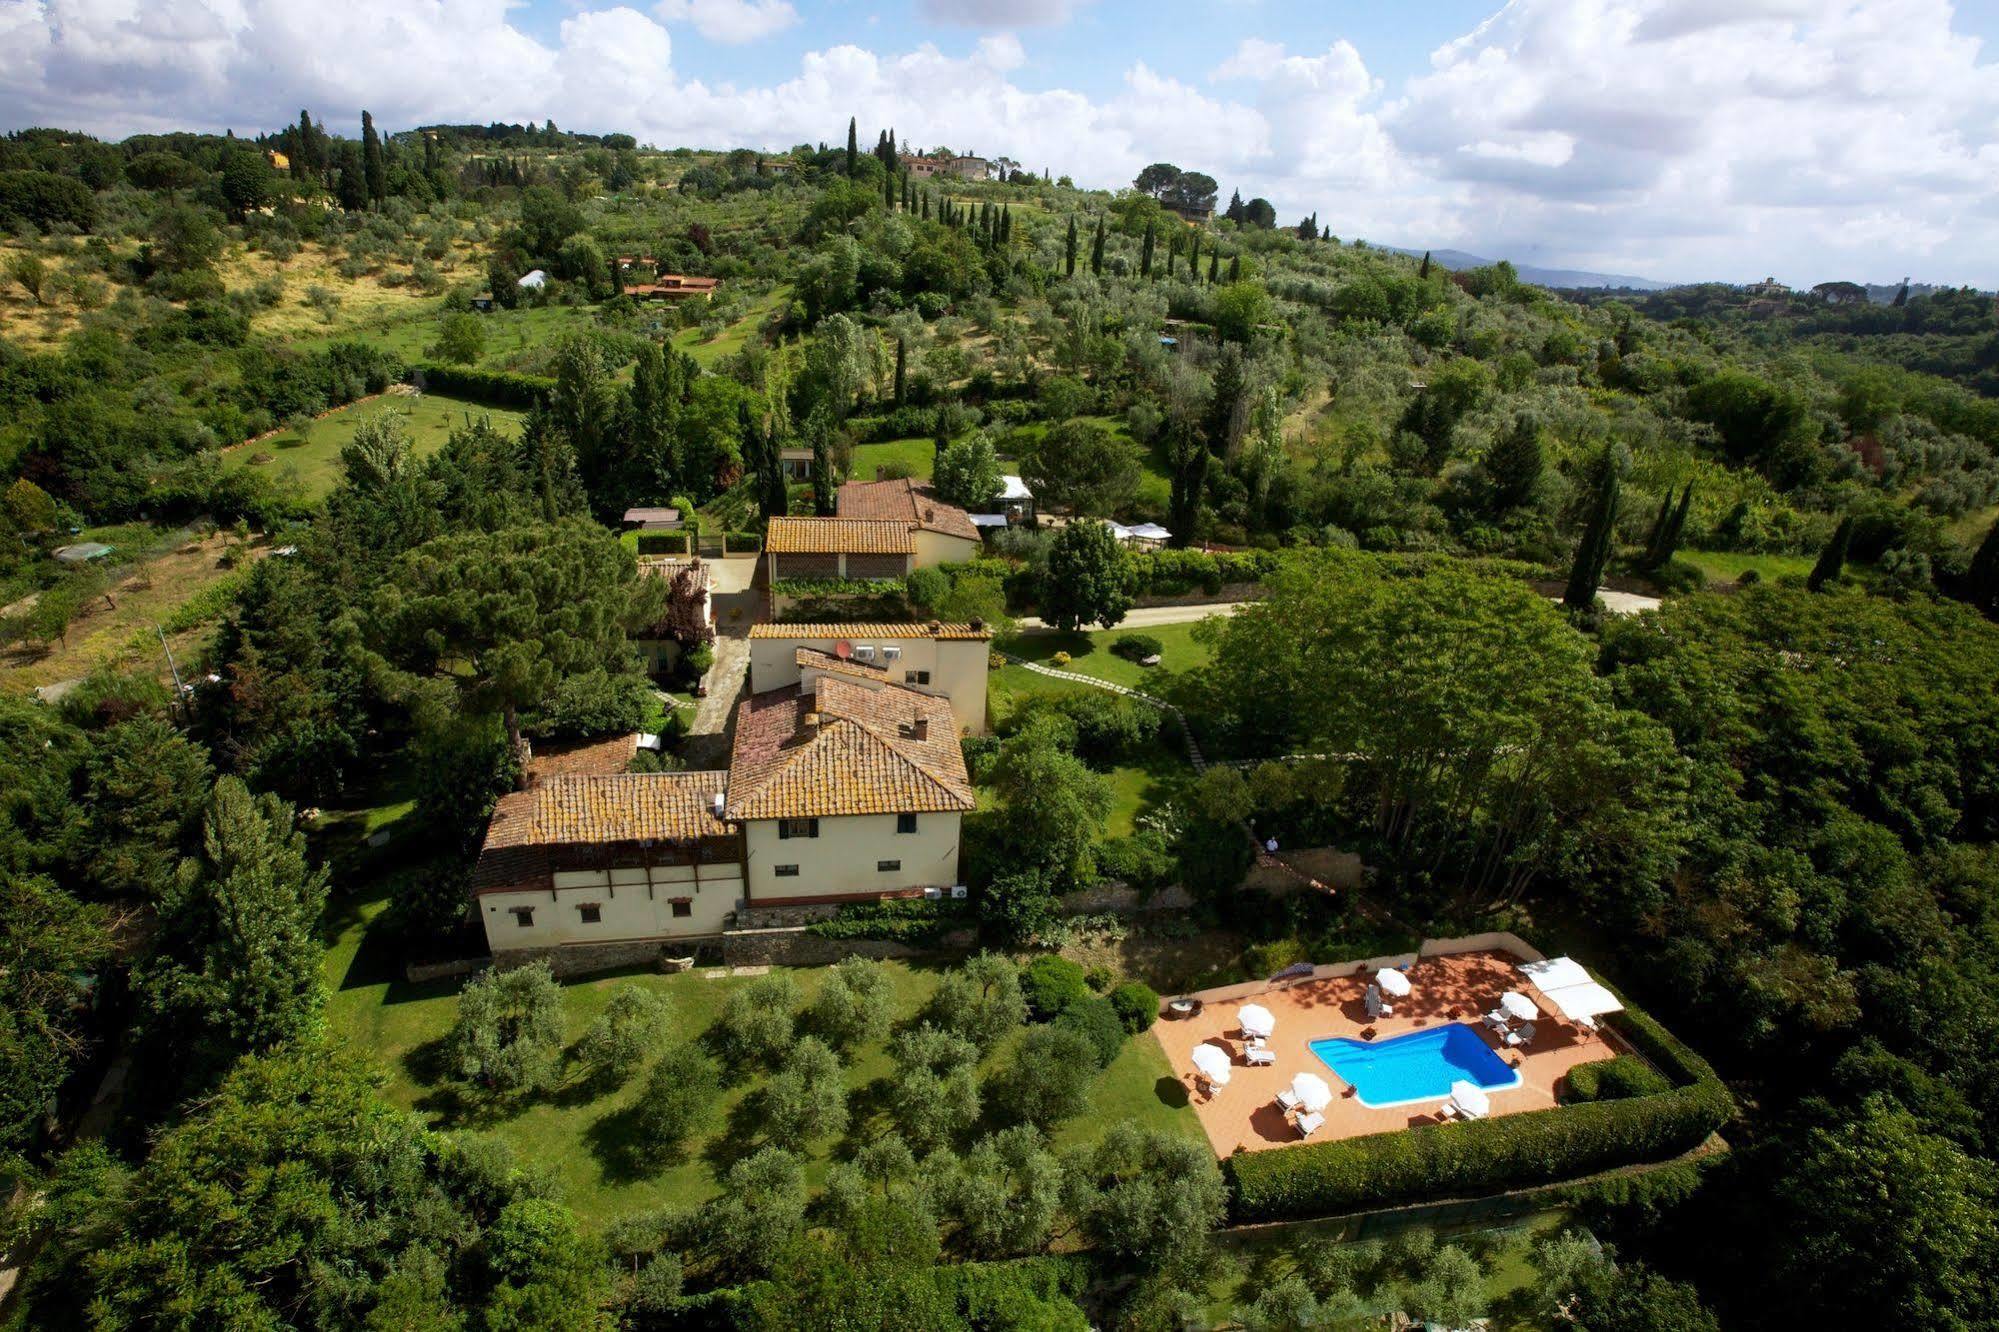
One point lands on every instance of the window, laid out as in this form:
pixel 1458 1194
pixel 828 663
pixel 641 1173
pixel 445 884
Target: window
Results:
pixel 789 828
pixel 682 908
pixel 523 916
pixel 916 677
pixel 786 871
pixel 905 823
pixel 887 866
pixel 591 913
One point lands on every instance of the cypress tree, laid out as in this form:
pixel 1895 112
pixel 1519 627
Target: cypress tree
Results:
pixel 1660 522
pixel 1214 265
pixel 1194 258
pixel 1326 232
pixel 888 193
pixel 926 205
pixel 1097 250
pixel 372 166
pixel 1514 463
pixel 1145 253
pixel 1235 209
pixel 1593 551
pixel 901 372
pixel 1981 581
pixel 853 147
pixel 1424 271
pixel 1235 268
pixel 1832 560
pixel 1172 253
pixel 1006 224
pixel 1669 545
pixel 1069 250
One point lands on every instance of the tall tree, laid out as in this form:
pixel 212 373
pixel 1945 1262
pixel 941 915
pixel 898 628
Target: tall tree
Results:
pixel 372 163
pixel 1097 251
pixel 1832 559
pixel 1424 271
pixel 1145 252
pixel 853 147
pixel 1599 531
pixel 1514 464
pixel 1087 578
pixel 1664 541
pixel 1234 213
pixel 901 372
pixel 1069 250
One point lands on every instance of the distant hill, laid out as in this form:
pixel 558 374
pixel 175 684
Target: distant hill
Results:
pixel 1542 277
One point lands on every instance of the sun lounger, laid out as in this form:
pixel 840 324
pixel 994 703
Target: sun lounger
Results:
pixel 1257 1056
pixel 1448 1110
pixel 1524 1036
pixel 1497 1021
pixel 1310 1124
pixel 1287 1099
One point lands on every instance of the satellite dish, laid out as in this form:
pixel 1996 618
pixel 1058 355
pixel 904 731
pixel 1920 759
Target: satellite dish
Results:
pixel 843 649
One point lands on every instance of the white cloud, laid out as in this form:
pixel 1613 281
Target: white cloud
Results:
pixel 729 20
pixel 998 13
pixel 1677 138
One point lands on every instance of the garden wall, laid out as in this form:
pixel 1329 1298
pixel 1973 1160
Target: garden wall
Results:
pixel 1115 899
pixel 797 946
pixel 588 959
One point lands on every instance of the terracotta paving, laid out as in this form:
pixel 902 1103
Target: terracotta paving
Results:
pixel 1245 1114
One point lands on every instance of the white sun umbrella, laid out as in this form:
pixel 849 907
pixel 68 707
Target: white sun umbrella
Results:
pixel 1212 1063
pixel 1554 973
pixel 1470 1099
pixel 1518 1006
pixel 1587 1000
pixel 1392 982
pixel 1255 1019
pixel 1312 1092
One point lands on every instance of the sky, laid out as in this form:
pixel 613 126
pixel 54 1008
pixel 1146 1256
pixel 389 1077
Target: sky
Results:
pixel 1809 140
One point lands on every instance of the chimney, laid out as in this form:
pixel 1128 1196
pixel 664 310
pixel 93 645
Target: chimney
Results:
pixel 917 730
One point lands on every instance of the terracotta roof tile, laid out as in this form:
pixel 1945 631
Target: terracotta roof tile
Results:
pixel 891 630
pixel 845 749
pixel 907 501
pixel 620 807
pixel 838 536
pixel 576 758
pixel 814 659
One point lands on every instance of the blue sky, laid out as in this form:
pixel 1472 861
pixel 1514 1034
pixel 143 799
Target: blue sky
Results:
pixel 1680 139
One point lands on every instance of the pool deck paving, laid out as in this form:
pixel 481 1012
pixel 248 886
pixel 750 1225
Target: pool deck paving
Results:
pixel 1245 1114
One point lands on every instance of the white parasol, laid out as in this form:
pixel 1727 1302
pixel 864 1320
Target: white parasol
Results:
pixel 1470 1099
pixel 1212 1063
pixel 1518 1006
pixel 1256 1020
pixel 1312 1092
pixel 1392 982
pixel 1582 1001
pixel 1554 973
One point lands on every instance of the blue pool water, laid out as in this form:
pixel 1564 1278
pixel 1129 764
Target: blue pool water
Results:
pixel 1418 1067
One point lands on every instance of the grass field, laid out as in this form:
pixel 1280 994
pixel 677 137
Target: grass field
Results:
pixel 587 1140
pixel 918 455
pixel 1727 566
pixel 1090 654
pixel 313 454
pixel 1970 529
pixel 731 339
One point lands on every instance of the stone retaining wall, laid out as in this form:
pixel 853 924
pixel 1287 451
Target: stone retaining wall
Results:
pixel 587 959
pixel 1117 899
pixel 796 946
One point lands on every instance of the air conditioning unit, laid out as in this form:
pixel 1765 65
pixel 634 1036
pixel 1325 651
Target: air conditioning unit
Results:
pixel 891 654
pixel 932 894
pixel 864 652
pixel 958 892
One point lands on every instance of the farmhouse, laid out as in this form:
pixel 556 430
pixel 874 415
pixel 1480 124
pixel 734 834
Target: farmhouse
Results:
pixel 838 790
pixel 673 287
pixel 883 530
pixel 943 660
pixel 690 611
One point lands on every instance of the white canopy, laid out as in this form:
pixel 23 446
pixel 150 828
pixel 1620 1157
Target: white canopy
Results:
pixel 1151 532
pixel 1392 982
pixel 1518 1006
pixel 1583 1001
pixel 987 519
pixel 1013 488
pixel 1554 973
pixel 1312 1092
pixel 1255 1019
pixel 1471 1099
pixel 1212 1062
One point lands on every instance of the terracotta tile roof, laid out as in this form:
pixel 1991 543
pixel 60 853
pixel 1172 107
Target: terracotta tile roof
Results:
pixel 838 536
pixel 907 501
pixel 858 757
pixel 816 660
pixel 616 807
pixel 577 758
pixel 911 629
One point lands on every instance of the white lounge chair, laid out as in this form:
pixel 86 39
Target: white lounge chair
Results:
pixel 1524 1036
pixel 1448 1110
pixel 1258 1056
pixel 1287 1099
pixel 1310 1124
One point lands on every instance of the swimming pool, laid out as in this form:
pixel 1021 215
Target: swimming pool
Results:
pixel 1420 1066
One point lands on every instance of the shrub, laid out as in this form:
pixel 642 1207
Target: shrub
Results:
pixel 500 388
pixel 1098 1022
pixel 509 1028
pixel 1048 1079
pixel 755 1024
pixel 927 586
pixel 1100 978
pixel 914 921
pixel 624 1033
pixel 678 1094
pixel 1050 984
pixel 1137 1006
pixel 1144 860
pixel 1109 727
pixel 1059 660
pixel 1615 1080
pixel 1137 647
pixel 1490 1155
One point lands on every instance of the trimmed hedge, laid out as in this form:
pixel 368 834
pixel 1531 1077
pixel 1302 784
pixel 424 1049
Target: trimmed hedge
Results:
pixel 1490 1155
pixel 916 921
pixel 1615 1080
pixel 500 388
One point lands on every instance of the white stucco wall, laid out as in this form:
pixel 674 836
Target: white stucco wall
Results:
pixel 841 860
pixel 938 548
pixel 957 669
pixel 632 903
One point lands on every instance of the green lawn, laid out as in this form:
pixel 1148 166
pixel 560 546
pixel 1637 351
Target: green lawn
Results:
pixel 314 452
pixel 587 1140
pixel 1090 654
pixel 1727 566
pixel 919 455
pixel 731 339
pixel 1970 529
pixel 1155 486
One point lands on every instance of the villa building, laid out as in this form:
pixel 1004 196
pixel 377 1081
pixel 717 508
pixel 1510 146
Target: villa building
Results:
pixel 944 660
pixel 883 529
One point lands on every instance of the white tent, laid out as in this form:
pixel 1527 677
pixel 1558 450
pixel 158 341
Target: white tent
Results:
pixel 1518 1006
pixel 1212 1063
pixel 1392 982
pixel 1312 1092
pixel 1255 1019
pixel 1471 1100
pixel 1587 1000
pixel 1150 532
pixel 1554 973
